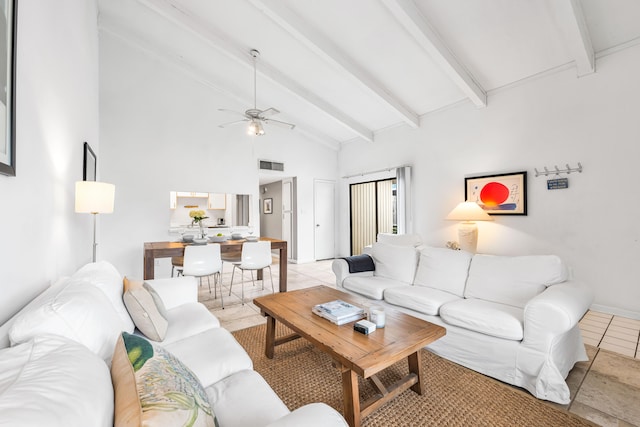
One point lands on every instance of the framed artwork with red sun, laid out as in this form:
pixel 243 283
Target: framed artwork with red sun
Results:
pixel 503 194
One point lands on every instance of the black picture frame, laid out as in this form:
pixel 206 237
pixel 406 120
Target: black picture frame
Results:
pixel 8 95
pixel 498 194
pixel 89 164
pixel 267 206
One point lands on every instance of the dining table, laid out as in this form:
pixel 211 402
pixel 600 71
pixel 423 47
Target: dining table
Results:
pixel 155 250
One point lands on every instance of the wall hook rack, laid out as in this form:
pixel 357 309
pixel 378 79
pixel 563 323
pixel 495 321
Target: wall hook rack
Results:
pixel 557 171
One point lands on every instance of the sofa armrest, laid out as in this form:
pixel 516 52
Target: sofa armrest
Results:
pixel 311 415
pixel 176 291
pixel 555 311
pixel 341 270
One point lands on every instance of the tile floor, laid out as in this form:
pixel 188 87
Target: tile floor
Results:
pixel 604 390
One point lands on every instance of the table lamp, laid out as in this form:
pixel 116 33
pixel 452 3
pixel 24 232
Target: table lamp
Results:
pixel 94 197
pixel 468 213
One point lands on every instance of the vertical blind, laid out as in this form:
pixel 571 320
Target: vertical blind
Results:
pixel 385 206
pixel 372 212
pixel 363 216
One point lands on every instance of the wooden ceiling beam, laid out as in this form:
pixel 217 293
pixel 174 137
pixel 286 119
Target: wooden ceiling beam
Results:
pixel 411 18
pixel 240 54
pixel 573 24
pixel 329 52
pixel 176 62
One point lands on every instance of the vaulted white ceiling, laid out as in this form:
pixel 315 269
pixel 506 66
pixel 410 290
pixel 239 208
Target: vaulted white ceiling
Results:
pixel 344 70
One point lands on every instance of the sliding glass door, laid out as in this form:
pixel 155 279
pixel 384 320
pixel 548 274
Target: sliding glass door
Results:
pixel 373 210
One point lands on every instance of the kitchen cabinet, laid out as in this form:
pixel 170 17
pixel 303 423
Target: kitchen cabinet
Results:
pixel 175 195
pixel 217 201
pixel 192 194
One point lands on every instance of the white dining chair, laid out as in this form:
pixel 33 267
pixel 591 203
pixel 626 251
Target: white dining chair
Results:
pixel 255 256
pixel 204 261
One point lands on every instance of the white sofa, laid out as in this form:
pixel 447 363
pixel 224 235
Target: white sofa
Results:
pixel 55 358
pixel 514 318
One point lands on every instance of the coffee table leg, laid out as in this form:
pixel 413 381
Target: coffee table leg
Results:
pixel 351 397
pixel 271 337
pixel 415 367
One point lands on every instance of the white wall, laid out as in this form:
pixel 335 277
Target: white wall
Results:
pixel 159 132
pixel 57 110
pixel 549 121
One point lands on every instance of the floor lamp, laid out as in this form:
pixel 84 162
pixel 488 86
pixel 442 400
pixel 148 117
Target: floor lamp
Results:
pixel 94 198
pixel 468 213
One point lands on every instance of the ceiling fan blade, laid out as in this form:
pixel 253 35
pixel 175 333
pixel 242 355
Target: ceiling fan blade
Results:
pixel 268 112
pixel 279 123
pixel 235 122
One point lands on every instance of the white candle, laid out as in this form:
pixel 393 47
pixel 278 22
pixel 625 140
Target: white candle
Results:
pixel 377 316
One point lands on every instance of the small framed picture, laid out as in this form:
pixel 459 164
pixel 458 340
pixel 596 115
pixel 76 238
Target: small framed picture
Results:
pixel 267 206
pixel 503 194
pixel 90 164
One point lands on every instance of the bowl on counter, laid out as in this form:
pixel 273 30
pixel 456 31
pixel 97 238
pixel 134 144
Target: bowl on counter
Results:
pixel 251 238
pixel 218 239
pixel 236 236
pixel 200 241
pixel 187 238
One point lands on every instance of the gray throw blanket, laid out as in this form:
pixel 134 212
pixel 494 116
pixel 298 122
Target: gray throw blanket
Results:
pixel 360 263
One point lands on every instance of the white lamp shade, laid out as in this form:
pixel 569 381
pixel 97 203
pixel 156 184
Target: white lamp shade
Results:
pixel 468 211
pixel 94 197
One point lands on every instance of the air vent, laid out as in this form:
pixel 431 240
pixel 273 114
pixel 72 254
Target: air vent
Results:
pixel 270 166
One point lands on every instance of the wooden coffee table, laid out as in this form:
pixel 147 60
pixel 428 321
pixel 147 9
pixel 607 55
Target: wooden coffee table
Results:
pixel 353 353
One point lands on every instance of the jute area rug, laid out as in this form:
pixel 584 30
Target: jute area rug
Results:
pixel 455 396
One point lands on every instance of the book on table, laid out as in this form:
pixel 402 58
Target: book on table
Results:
pixel 339 312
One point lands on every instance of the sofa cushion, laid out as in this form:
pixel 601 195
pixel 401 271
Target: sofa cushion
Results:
pixel 143 310
pixel 245 399
pixel 188 319
pixel 153 388
pixel 106 277
pixel 486 317
pixel 513 280
pixel 79 312
pixel 443 269
pixel 211 355
pixel 419 298
pixel 400 239
pixel 395 262
pixel 370 286
pixel 53 381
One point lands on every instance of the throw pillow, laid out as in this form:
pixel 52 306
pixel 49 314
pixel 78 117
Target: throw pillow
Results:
pixel 132 283
pixel 104 276
pixel 142 308
pixel 79 312
pixel 55 382
pixel 153 388
pixel 395 262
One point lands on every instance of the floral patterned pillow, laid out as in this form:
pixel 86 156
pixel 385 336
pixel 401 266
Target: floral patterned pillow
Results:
pixel 153 388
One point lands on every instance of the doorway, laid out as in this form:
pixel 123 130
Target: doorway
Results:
pixel 278 212
pixel 373 210
pixel 324 219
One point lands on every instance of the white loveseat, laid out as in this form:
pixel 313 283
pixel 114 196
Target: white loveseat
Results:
pixel 55 358
pixel 514 318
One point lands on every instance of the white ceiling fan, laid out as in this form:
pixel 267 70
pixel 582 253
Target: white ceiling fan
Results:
pixel 255 117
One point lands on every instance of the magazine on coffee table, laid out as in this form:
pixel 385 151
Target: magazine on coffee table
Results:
pixel 339 312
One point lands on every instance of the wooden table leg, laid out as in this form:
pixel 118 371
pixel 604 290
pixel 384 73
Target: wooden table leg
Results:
pixel 416 367
pixel 351 396
pixel 271 337
pixel 283 268
pixel 149 267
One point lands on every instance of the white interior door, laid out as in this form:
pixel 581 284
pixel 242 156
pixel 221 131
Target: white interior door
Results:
pixel 324 216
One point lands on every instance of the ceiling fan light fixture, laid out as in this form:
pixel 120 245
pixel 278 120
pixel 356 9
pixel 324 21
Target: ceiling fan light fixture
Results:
pixel 255 128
